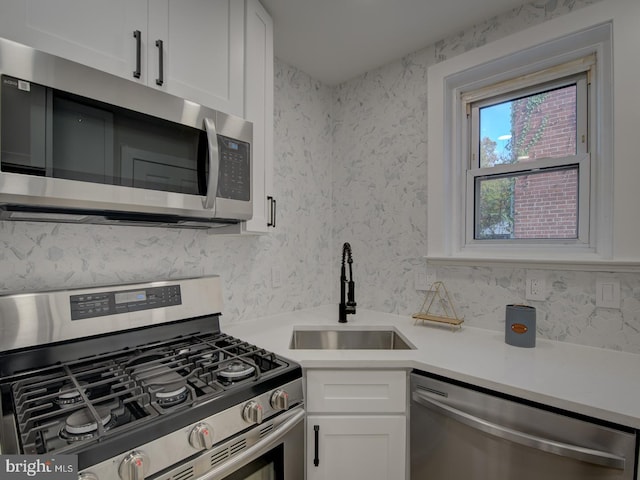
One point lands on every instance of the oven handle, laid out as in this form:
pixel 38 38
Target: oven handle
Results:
pixel 258 449
pixel 588 455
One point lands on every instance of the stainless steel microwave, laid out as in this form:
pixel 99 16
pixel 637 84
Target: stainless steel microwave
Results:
pixel 80 145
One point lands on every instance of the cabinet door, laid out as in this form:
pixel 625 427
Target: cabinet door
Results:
pixel 258 109
pixel 356 447
pixel 93 32
pixel 203 51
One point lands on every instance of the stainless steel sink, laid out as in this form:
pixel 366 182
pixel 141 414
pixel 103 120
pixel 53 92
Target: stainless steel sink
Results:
pixel 348 340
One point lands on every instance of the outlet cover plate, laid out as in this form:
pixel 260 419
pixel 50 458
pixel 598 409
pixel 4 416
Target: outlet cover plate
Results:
pixel 607 293
pixel 431 277
pixel 420 279
pixel 276 277
pixel 423 278
pixel 535 287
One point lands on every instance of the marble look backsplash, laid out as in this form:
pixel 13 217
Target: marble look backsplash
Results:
pixel 568 312
pixel 349 166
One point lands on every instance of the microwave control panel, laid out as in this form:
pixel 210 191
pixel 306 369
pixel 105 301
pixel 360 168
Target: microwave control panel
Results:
pixel 234 181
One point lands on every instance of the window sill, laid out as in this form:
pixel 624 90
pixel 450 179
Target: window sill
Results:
pixel 546 263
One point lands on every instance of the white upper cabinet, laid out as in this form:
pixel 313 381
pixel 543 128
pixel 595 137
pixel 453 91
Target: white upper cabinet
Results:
pixel 91 32
pixel 202 42
pixel 259 110
pixel 218 53
pixel 203 48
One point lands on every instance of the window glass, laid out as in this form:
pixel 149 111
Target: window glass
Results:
pixel 540 125
pixel 538 205
pixel 525 167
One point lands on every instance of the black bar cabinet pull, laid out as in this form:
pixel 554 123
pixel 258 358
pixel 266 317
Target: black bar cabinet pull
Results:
pixel 316 434
pixel 160 79
pixel 137 36
pixel 272 213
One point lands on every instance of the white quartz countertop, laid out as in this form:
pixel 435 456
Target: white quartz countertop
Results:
pixel 601 383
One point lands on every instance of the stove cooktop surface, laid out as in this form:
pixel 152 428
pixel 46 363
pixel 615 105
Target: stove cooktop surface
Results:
pixel 99 404
pixel 102 370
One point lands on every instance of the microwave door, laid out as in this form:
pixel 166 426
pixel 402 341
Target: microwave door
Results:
pixel 213 158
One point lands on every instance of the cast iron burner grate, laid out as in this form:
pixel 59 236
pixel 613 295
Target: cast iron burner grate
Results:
pixel 91 390
pixel 63 407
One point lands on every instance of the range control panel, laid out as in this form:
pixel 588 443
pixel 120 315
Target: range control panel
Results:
pixel 111 303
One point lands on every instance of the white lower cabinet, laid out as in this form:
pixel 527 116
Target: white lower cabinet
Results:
pixel 356 424
pixel 369 447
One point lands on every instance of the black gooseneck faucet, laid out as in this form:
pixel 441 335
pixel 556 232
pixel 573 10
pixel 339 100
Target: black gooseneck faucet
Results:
pixel 348 306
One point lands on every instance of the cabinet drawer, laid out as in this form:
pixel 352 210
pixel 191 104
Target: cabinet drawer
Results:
pixel 362 391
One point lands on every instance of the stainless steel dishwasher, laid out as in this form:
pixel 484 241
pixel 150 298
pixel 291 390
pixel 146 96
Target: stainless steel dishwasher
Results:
pixel 462 433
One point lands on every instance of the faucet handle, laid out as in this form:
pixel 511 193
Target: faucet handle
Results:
pixel 351 297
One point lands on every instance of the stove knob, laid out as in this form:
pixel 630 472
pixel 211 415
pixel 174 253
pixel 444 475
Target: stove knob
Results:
pixel 134 466
pixel 201 436
pixel 279 400
pixel 87 476
pixel 252 412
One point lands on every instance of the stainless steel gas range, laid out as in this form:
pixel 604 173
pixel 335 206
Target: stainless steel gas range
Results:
pixel 139 382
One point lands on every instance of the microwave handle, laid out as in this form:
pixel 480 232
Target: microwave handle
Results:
pixel 209 202
pixel 137 35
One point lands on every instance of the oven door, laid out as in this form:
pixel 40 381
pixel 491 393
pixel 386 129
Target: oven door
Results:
pixel 269 466
pixel 278 455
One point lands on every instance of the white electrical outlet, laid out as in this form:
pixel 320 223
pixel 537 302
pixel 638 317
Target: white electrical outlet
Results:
pixel 276 280
pixel 607 293
pixel 535 287
pixel 420 279
pixel 431 277
pixel 423 278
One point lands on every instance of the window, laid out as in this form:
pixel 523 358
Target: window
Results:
pixel 495 143
pixel 528 173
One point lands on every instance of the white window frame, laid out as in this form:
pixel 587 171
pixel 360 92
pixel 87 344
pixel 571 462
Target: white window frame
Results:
pixel 555 77
pixel 521 55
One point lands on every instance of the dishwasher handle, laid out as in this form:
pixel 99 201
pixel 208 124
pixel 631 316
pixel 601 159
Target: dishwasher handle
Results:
pixel 575 452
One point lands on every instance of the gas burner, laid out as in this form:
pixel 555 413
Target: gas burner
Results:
pixel 168 399
pixel 68 397
pixel 236 370
pixel 208 357
pixel 81 424
pixel 168 387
